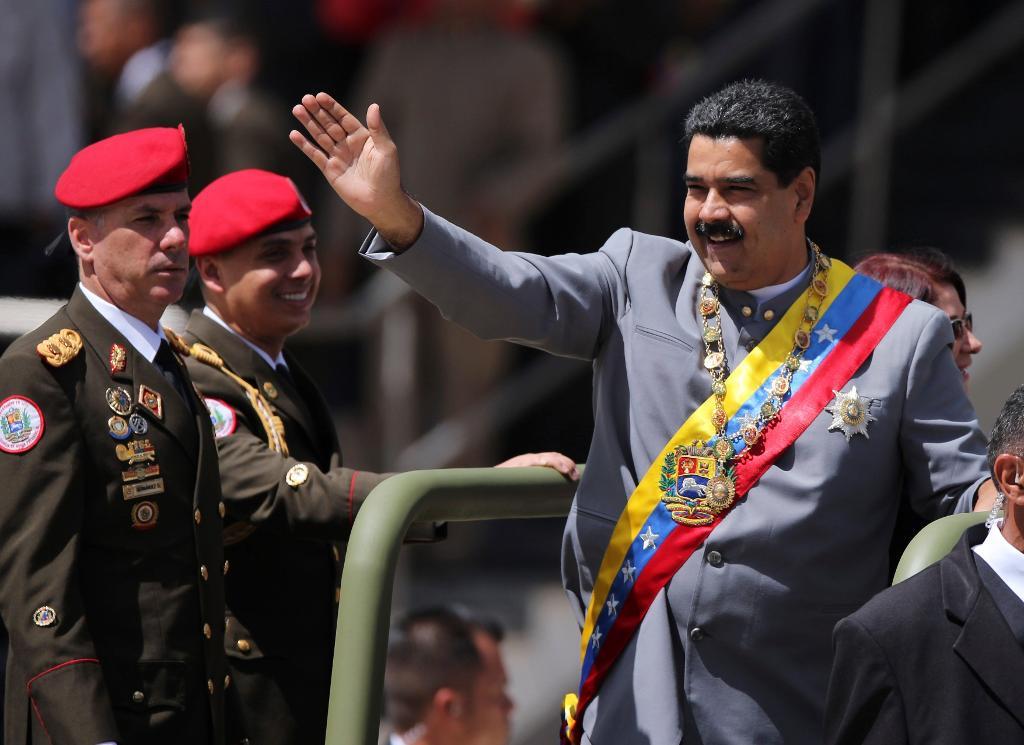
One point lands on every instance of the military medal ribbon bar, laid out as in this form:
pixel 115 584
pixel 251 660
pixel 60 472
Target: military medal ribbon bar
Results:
pixel 677 504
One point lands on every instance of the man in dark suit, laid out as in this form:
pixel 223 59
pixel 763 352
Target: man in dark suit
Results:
pixel 289 498
pixel 938 658
pixel 110 532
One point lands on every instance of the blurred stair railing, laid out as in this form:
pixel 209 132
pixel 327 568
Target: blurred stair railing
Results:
pixel 364 616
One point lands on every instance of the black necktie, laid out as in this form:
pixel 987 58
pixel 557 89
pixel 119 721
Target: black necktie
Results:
pixel 168 365
pixel 282 371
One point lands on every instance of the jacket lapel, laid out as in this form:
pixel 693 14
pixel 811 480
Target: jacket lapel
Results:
pixel 135 372
pixel 985 642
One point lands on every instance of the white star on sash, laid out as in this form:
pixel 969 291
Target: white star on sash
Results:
pixel 805 365
pixel 826 333
pixel 613 605
pixel 629 571
pixel 648 538
pixel 595 638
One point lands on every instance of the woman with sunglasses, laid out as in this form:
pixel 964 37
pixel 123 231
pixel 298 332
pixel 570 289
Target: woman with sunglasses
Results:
pixel 927 274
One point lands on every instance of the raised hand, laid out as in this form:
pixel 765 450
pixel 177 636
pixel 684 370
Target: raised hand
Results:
pixel 361 165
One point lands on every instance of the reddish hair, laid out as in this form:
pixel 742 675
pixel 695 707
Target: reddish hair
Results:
pixel 917 272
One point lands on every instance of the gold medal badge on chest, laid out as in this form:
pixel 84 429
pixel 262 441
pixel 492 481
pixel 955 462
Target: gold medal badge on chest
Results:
pixel 694 486
pixel 850 413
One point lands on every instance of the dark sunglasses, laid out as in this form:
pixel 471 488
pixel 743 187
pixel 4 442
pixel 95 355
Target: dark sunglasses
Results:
pixel 962 325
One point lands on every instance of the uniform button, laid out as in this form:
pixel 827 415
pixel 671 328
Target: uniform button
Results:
pixel 715 558
pixel 769 315
pixel 209 685
pixel 696 633
pixel 204 572
pixel 198 516
pixel 227 565
pixel 227 681
pixel 336 552
pixel 747 311
pixel 207 631
pixel 138 697
pixel 222 509
pixel 227 622
pixel 244 645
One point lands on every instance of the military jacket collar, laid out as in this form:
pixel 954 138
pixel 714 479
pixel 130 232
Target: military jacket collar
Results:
pixel 145 340
pixel 297 398
pixel 136 373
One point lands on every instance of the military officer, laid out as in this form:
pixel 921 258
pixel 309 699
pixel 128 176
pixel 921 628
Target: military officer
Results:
pixel 289 498
pixel 758 408
pixel 110 534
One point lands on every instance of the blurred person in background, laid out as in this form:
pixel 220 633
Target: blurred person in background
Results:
pixel 483 163
pixel 445 682
pixel 126 48
pixel 927 274
pixel 40 118
pixel 217 60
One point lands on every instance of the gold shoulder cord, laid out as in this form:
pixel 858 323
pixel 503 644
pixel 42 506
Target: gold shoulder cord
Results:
pixel 271 422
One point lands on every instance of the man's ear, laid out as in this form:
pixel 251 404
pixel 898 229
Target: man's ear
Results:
pixel 804 186
pixel 449 703
pixel 84 234
pixel 1008 472
pixel 209 270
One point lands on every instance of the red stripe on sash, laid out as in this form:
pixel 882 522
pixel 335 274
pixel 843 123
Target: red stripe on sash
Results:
pixel 834 371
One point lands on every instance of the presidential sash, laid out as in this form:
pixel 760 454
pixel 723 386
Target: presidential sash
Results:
pixel 662 523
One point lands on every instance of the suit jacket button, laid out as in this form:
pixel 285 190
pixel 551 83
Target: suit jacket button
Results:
pixel 227 681
pixel 227 565
pixel 696 633
pixel 204 572
pixel 243 645
pixel 209 686
pixel 207 631
pixel 715 558
pixel 198 516
pixel 222 509
pixel 138 697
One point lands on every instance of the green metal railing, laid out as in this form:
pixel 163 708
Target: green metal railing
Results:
pixel 361 637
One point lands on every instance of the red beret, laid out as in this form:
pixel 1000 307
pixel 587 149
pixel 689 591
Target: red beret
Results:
pixel 143 160
pixel 243 205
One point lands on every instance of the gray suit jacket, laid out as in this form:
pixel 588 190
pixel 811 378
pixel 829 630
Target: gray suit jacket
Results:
pixel 737 650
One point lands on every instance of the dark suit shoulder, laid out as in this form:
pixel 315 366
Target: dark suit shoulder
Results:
pixel 894 616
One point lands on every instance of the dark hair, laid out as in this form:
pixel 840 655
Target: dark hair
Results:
pixel 1008 432
pixel 776 115
pixel 915 271
pixel 431 649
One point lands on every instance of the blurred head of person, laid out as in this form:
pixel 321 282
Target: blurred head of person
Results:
pixel 111 31
pixel 445 680
pixel 128 205
pixel 211 52
pixel 255 253
pixel 926 273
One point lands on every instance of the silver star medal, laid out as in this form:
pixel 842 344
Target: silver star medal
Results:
pixel 850 413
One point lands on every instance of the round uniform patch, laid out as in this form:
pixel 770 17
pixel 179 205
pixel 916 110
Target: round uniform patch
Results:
pixel 224 419
pixel 144 515
pixel 45 616
pixel 21 424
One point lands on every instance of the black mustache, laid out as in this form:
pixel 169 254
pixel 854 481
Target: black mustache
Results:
pixel 720 229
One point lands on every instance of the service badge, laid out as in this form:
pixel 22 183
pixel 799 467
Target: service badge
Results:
pixel 850 414
pixel 21 424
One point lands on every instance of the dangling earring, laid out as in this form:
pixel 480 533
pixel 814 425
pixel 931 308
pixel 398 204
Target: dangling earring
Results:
pixel 997 507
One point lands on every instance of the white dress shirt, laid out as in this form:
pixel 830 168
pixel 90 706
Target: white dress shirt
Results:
pixel 212 315
pixel 1005 560
pixel 145 340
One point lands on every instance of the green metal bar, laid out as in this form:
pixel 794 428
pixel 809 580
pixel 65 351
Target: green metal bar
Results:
pixel 458 494
pixel 935 540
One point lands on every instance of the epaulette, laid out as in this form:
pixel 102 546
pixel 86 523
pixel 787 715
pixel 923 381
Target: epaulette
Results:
pixel 60 348
pixel 177 343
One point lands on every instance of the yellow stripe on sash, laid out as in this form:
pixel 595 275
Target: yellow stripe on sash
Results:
pixel 745 380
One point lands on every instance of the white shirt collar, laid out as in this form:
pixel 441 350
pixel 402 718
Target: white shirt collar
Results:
pixel 145 340
pixel 763 294
pixel 212 315
pixel 1005 560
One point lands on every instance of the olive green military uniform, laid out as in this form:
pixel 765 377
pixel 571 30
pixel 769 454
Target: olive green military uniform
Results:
pixel 286 509
pixel 111 579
